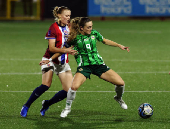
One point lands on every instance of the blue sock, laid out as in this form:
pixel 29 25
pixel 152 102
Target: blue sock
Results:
pixel 62 94
pixel 36 93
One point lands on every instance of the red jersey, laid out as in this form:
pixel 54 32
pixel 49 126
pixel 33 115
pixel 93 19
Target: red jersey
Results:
pixel 60 34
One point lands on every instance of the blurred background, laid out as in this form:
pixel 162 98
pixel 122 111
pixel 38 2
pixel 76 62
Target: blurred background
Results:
pixel 99 9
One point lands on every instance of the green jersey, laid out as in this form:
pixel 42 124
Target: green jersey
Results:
pixel 87 49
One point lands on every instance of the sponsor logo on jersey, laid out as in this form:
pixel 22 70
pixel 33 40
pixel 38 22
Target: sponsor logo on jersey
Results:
pixel 92 37
pixel 79 41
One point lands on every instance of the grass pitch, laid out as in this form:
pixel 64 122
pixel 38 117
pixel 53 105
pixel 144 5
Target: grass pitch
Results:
pixel 145 71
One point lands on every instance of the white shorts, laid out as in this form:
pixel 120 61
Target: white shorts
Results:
pixel 57 69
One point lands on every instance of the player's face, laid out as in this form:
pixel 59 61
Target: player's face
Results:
pixel 87 28
pixel 65 17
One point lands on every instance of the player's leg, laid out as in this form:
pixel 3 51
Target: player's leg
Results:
pixel 114 78
pixel 78 80
pixel 66 80
pixel 66 77
pixel 46 83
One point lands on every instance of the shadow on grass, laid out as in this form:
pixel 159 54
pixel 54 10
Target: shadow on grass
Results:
pixel 80 119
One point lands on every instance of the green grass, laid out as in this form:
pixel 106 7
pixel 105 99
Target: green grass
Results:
pixel 145 71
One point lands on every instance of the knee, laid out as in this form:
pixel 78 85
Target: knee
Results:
pixel 120 83
pixel 75 85
pixel 74 88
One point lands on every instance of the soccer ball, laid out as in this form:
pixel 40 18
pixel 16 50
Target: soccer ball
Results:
pixel 145 110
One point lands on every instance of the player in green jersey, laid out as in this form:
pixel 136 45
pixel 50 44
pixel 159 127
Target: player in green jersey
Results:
pixel 84 39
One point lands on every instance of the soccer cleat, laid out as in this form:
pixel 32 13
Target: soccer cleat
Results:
pixel 121 102
pixel 24 111
pixel 44 108
pixel 65 112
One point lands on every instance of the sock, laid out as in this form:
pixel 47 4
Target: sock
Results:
pixel 70 97
pixel 119 90
pixel 57 97
pixel 36 93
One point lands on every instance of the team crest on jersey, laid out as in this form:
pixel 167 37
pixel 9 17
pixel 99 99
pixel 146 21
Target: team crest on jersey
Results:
pixel 92 37
pixel 65 32
pixel 80 69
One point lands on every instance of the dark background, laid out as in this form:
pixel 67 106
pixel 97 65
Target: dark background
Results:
pixel 77 7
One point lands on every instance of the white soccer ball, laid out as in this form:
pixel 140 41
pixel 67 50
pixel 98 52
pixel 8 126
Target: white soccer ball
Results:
pixel 145 110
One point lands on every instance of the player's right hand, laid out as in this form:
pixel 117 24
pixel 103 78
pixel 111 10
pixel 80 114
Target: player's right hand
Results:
pixel 44 62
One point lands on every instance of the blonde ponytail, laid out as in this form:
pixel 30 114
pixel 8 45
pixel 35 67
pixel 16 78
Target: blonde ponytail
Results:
pixel 55 14
pixel 58 10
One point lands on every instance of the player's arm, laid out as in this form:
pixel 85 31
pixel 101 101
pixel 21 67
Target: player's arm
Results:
pixel 56 55
pixel 54 49
pixel 51 59
pixel 112 43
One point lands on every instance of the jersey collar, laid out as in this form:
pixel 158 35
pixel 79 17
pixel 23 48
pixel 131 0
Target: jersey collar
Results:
pixel 60 25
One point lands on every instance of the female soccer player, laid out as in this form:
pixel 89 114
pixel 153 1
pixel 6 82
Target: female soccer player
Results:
pixel 56 36
pixel 84 39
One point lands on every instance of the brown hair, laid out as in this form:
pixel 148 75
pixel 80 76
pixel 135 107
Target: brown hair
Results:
pixel 74 29
pixel 83 21
pixel 58 10
pixel 76 23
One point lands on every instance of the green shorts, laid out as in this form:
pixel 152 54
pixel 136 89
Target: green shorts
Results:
pixel 92 69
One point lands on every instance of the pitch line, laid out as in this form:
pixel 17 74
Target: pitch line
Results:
pixel 20 73
pixel 95 91
pixel 38 73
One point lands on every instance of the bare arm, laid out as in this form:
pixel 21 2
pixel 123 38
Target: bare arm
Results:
pixel 42 62
pixel 54 57
pixel 112 43
pixel 54 49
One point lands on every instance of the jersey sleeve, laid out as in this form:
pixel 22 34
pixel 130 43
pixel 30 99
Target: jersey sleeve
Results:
pixel 51 34
pixel 99 37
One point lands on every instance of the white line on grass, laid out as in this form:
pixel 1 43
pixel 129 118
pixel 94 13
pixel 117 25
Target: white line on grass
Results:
pixel 167 72
pixel 20 73
pixel 94 91
pixel 146 72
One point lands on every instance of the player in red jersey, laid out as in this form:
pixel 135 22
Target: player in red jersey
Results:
pixel 56 36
